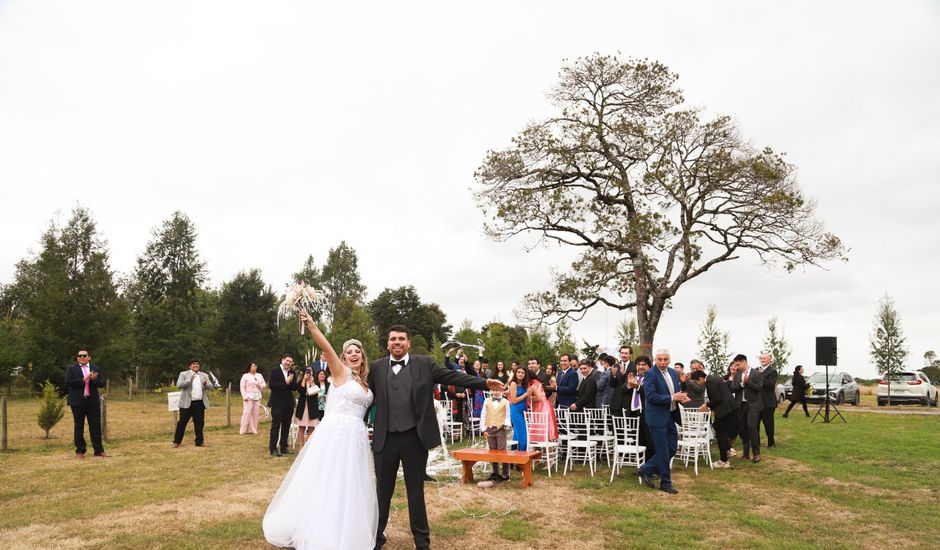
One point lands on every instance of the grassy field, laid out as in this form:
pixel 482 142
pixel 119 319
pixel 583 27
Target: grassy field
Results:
pixel 871 483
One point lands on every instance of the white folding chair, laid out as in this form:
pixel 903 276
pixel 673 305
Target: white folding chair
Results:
pixel 561 416
pixel 536 427
pixel 580 447
pixel 627 450
pixel 600 431
pixel 452 429
pixel 694 441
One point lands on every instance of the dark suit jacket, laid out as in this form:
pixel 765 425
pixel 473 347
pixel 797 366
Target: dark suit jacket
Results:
pixel 658 403
pixel 282 393
pixel 751 391
pixel 567 382
pixel 587 393
pixel 799 388
pixel 425 373
pixel 720 400
pixel 74 381
pixel 768 395
pixel 618 385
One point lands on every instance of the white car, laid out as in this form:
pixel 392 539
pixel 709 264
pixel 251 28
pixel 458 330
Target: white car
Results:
pixel 907 387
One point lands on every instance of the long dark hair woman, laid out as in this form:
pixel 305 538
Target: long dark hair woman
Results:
pixel 798 394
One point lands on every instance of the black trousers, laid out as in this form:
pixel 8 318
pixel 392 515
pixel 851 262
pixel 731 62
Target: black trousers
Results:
pixel 767 419
pixel 724 428
pixel 280 427
pixel 403 448
pixel 196 411
pixel 748 429
pixel 790 406
pixel 646 438
pixel 90 409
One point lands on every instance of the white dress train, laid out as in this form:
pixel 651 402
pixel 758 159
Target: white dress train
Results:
pixel 327 500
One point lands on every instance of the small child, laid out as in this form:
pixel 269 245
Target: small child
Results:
pixel 495 419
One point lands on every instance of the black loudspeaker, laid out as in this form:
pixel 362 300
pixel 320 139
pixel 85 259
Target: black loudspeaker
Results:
pixel 826 350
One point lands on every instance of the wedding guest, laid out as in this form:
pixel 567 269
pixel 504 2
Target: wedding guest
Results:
pixel 323 383
pixel 567 386
pixel 618 388
pixel 722 404
pixel 798 393
pixel 538 402
pixel 283 383
pixel 536 372
pixel 635 399
pixel 501 373
pixel 519 392
pixel 307 413
pixel 82 381
pixel 587 387
pixel 251 385
pixel 696 392
pixel 663 398
pixel 602 375
pixel 550 370
pixel 768 397
pixel 485 370
pixel 194 389
pixel 496 422
pixel 748 384
pixel 680 372
pixel 626 360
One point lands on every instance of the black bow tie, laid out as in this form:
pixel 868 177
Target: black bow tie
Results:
pixel 400 362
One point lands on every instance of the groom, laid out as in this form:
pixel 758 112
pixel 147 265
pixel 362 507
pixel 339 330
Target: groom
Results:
pixel 406 426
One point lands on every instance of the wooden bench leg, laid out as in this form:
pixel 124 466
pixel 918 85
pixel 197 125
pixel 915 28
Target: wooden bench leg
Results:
pixel 468 471
pixel 527 474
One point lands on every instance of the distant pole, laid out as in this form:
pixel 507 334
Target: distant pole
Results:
pixel 104 417
pixel 3 421
pixel 130 388
pixel 137 378
pixel 107 387
pixel 228 406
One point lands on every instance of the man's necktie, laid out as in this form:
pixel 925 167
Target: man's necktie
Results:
pixel 636 394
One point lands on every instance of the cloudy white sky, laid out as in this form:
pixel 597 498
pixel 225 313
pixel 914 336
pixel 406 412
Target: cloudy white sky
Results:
pixel 283 128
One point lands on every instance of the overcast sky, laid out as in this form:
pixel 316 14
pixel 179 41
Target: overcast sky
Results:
pixel 282 128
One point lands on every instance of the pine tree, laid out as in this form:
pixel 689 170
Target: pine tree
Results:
pixel 563 341
pixel 777 346
pixel 51 408
pixel 627 335
pixel 888 343
pixel 713 344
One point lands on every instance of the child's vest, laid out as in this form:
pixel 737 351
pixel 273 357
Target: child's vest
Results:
pixel 495 413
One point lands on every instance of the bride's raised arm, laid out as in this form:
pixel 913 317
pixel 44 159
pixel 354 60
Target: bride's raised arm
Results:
pixel 337 368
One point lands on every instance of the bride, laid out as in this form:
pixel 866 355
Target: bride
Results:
pixel 327 500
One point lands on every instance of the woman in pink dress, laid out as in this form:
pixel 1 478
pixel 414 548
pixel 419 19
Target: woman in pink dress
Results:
pixel 540 403
pixel 251 385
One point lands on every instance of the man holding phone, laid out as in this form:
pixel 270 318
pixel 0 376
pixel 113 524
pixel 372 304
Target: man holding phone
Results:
pixel 82 381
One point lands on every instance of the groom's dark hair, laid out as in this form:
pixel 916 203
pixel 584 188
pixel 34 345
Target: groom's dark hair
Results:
pixel 399 328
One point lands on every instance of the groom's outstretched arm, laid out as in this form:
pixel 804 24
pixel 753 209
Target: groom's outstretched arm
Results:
pixel 456 378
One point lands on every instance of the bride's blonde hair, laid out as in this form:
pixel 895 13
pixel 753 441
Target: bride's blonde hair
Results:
pixel 363 373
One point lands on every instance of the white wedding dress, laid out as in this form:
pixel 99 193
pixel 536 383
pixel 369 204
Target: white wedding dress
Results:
pixel 327 500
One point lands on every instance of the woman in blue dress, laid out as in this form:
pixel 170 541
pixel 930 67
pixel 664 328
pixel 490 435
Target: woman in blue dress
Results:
pixel 519 392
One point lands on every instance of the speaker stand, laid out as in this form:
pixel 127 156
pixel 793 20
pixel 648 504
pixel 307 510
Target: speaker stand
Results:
pixel 827 405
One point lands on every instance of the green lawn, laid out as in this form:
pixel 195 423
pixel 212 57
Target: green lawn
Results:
pixel 870 483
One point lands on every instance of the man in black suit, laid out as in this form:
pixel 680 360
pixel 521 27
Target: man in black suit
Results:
pixel 627 364
pixel 768 397
pixel 283 384
pixel 82 381
pixel 536 372
pixel 406 426
pixel 587 387
pixel 720 402
pixel 748 384
pixel 635 398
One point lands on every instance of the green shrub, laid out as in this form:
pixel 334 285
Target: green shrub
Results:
pixel 51 408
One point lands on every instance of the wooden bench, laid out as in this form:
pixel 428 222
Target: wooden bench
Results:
pixel 469 457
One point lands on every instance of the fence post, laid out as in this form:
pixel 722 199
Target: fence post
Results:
pixel 104 418
pixel 107 387
pixel 137 378
pixel 130 388
pixel 3 421
pixel 228 406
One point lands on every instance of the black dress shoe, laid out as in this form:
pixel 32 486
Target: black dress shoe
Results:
pixel 746 456
pixel 671 490
pixel 756 458
pixel 771 445
pixel 429 478
pixel 276 453
pixel 645 478
pixel 286 452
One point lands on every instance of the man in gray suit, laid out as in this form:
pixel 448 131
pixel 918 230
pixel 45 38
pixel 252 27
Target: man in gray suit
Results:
pixel 194 389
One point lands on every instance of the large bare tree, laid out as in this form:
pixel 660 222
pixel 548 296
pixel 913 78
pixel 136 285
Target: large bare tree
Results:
pixel 651 192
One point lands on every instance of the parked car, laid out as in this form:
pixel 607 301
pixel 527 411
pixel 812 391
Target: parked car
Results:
pixel 781 395
pixel 842 388
pixel 907 387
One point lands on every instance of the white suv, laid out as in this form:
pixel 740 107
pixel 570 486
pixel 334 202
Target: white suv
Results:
pixel 907 387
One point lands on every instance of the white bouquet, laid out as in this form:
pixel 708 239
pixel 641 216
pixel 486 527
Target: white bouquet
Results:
pixel 299 295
